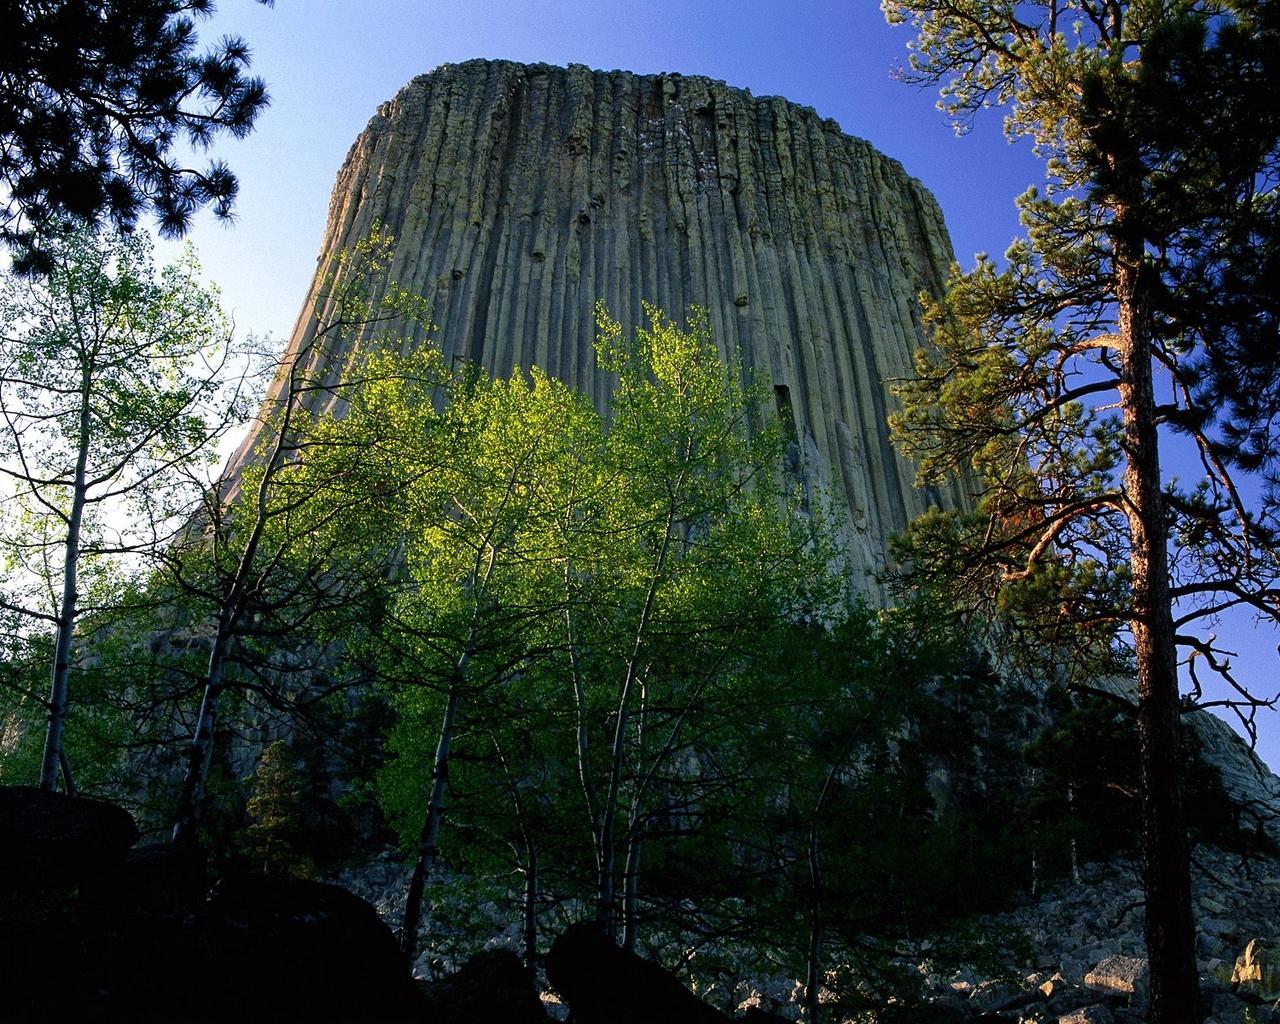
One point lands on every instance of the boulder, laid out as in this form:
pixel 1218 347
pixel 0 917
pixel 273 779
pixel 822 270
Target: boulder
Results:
pixel 755 1015
pixel 310 942
pixel 606 985
pixel 1211 906
pixel 1125 976
pixel 57 841
pixel 493 985
pixel 945 1008
pixel 993 997
pixel 265 950
pixel 1257 971
pixel 990 996
pixel 1096 1014
pixel 1217 926
pixel 1220 1004
pixel 1069 999
pixel 156 877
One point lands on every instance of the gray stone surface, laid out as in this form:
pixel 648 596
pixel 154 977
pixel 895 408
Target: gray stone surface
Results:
pixel 1088 1015
pixel 522 194
pixel 1244 775
pixel 1257 971
pixel 1120 976
pixel 993 995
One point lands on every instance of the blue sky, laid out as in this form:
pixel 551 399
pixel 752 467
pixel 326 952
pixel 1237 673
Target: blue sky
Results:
pixel 329 63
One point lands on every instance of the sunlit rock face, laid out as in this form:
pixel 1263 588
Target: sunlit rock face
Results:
pixel 519 195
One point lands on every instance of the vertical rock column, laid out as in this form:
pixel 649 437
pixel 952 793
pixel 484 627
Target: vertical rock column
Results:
pixel 519 195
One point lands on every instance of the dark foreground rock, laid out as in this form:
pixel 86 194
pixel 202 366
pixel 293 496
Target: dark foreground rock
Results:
pixel 491 986
pixel 52 841
pixel 91 966
pixel 155 877
pixel 96 935
pixel 306 948
pixel 315 956
pixel 755 1015
pixel 606 985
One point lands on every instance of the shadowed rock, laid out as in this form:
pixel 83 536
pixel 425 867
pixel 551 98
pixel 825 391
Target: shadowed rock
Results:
pixel 606 985
pixel 493 985
pixel 51 840
pixel 136 941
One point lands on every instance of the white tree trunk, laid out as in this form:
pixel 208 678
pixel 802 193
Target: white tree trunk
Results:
pixel 58 687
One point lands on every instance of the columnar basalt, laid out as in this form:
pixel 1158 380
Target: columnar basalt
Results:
pixel 519 195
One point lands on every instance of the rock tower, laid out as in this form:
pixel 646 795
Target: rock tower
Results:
pixel 519 195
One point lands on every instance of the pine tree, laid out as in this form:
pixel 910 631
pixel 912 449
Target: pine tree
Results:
pixel 1139 314
pixel 93 97
pixel 276 809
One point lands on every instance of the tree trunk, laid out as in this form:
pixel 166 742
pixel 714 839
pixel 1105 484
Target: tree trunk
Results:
pixel 68 781
pixel 200 756
pixel 630 891
pixel 1170 932
pixel 428 841
pixel 531 909
pixel 530 866
pixel 58 684
pixel 186 829
pixel 1075 858
pixel 605 845
pixel 581 731
pixel 813 977
pixel 606 854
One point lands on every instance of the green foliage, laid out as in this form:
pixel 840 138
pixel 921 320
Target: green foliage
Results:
pixel 110 355
pixel 1154 228
pixel 24 671
pixel 1084 783
pixel 276 812
pixel 558 574
pixel 283 549
pixel 118 724
pixel 881 732
pixel 1085 788
pixel 223 824
pixel 112 391
pixel 548 558
pixel 915 829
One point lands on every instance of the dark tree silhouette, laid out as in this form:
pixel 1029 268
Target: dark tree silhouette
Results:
pixel 94 97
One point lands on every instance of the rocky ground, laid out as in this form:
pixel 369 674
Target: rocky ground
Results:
pixel 1084 935
pixel 1087 963
pixel 127 924
pixel 452 921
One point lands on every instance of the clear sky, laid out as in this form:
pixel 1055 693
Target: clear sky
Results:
pixel 329 63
